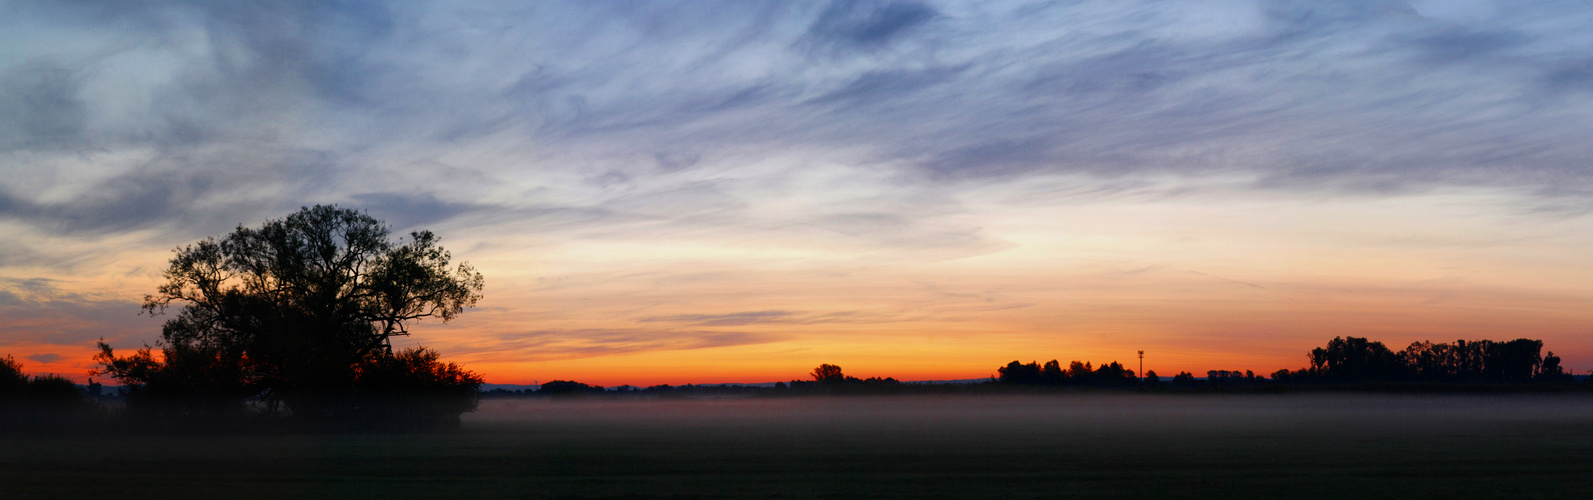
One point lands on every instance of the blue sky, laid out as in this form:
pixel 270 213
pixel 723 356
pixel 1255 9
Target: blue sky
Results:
pixel 648 155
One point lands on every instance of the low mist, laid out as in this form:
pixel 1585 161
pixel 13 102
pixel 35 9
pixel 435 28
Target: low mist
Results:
pixel 1096 421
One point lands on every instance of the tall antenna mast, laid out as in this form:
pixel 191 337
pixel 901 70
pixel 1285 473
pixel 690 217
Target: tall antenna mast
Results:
pixel 1142 365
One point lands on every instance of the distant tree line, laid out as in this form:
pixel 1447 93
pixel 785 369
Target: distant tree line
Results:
pixel 1077 373
pixel 830 375
pixel 572 389
pixel 416 382
pixel 1343 361
pixel 1351 360
pixel 825 379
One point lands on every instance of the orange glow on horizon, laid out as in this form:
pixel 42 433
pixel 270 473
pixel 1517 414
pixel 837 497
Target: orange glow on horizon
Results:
pixel 1094 282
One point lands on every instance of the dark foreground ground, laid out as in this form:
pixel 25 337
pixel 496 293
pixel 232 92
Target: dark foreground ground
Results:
pixel 1051 446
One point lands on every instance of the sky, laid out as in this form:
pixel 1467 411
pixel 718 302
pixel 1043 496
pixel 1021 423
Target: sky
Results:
pixel 712 192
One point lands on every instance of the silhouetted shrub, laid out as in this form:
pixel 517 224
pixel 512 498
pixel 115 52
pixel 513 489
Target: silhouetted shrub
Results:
pixel 43 402
pixel 51 393
pixel 413 389
pixel 188 384
pixel 12 381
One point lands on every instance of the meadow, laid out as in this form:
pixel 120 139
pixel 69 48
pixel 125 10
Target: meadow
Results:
pixel 1071 445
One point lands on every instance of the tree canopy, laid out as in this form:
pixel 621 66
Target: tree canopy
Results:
pixel 295 312
pixel 828 374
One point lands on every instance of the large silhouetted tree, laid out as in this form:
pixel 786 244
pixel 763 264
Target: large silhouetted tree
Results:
pixel 300 312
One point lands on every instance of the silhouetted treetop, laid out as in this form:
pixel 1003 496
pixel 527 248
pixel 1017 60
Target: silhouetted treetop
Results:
pixel 1020 374
pixel 1355 359
pixel 324 267
pixel 828 374
pixel 12 380
pixel 295 310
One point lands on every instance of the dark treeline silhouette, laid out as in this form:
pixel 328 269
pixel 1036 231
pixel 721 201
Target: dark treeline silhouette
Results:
pixel 826 379
pixel 414 379
pixel 40 401
pixel 568 388
pixel 828 375
pixel 1230 377
pixel 829 379
pixel 1352 360
pixel 1344 363
pixel 1077 373
pixel 293 322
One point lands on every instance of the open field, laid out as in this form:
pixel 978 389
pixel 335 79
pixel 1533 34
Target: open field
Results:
pixel 1063 445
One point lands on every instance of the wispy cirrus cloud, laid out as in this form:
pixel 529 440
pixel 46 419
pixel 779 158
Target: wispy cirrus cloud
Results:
pixel 546 345
pixel 742 318
pixel 38 312
pixel 728 319
pixel 1373 97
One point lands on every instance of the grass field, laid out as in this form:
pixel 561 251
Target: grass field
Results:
pixel 1044 446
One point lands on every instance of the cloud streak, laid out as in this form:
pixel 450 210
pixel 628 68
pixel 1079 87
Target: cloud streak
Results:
pixel 778 317
pixel 37 312
pixel 547 345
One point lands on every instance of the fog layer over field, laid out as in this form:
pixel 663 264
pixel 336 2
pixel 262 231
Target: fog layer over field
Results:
pixel 1077 445
pixel 1013 420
